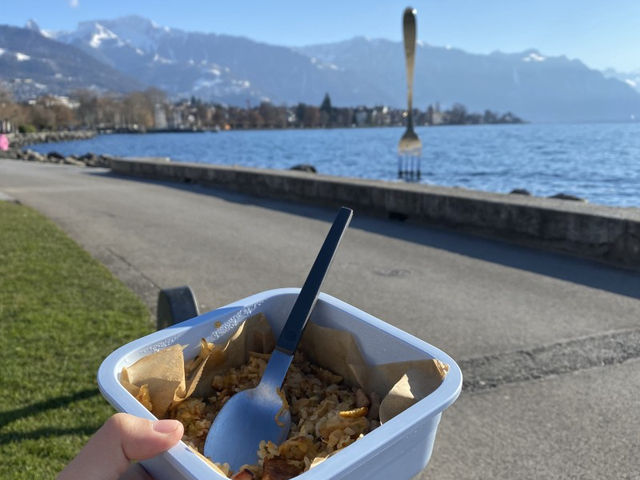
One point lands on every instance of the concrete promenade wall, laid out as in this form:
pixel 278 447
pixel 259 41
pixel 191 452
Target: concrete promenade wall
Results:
pixel 602 233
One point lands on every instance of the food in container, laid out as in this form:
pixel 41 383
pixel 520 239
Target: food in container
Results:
pixel 353 351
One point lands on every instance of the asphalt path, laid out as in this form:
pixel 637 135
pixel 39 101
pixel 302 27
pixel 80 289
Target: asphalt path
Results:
pixel 548 343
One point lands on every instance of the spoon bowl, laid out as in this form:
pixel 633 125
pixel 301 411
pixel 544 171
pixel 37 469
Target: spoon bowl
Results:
pixel 258 414
pixel 248 418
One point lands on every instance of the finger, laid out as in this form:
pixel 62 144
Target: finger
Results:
pixel 140 439
pixel 121 439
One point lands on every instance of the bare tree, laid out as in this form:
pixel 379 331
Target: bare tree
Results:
pixel 87 111
pixel 138 111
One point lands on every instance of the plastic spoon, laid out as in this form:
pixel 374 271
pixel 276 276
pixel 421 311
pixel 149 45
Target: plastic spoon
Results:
pixel 256 414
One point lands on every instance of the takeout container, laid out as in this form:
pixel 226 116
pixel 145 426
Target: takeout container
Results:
pixel 400 448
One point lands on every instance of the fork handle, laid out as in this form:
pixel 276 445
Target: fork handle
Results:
pixel 409 36
pixel 301 311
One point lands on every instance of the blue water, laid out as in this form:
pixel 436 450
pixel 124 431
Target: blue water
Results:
pixel 598 162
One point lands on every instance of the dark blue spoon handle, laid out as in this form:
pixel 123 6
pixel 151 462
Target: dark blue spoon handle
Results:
pixel 292 331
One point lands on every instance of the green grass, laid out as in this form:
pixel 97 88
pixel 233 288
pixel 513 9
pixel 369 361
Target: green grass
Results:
pixel 61 314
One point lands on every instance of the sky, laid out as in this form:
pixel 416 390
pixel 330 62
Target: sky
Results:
pixel 602 34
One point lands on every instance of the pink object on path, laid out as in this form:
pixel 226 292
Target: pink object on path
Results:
pixel 4 143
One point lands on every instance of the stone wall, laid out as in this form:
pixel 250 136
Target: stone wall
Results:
pixel 606 234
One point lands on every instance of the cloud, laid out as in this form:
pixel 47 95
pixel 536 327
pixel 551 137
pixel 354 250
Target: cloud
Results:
pixel 74 3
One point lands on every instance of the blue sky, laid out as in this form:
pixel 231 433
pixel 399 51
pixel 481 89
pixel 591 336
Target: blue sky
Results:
pixel 602 34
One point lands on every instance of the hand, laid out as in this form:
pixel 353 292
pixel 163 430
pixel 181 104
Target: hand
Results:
pixel 123 438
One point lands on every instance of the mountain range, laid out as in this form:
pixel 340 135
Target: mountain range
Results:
pixel 133 52
pixel 630 78
pixel 32 64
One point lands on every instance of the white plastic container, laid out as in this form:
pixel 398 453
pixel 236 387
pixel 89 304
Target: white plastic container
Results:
pixel 398 449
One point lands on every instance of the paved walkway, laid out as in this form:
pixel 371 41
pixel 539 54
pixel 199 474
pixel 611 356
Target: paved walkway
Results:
pixel 549 344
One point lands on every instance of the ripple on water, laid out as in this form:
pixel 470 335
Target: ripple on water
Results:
pixel 542 158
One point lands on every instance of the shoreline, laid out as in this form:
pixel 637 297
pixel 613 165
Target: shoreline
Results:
pixel 18 142
pixel 602 233
pixel 523 159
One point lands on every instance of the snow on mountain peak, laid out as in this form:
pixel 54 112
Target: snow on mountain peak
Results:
pixel 32 25
pixel 534 57
pixel 133 31
pixel 102 33
pixel 157 58
pixel 630 78
pixel 138 32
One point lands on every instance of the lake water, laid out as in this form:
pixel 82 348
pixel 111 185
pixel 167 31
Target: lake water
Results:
pixel 598 162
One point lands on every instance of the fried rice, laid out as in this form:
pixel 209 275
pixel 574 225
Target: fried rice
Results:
pixel 326 416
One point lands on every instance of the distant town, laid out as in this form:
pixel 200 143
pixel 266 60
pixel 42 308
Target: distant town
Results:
pixel 151 111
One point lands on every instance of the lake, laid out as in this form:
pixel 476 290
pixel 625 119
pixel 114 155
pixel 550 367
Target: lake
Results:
pixel 598 162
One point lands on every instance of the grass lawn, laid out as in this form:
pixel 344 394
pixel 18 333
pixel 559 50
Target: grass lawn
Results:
pixel 61 314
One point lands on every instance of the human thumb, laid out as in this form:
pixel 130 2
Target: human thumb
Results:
pixel 120 440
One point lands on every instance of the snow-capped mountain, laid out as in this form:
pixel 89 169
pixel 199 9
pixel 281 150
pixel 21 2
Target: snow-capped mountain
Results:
pixel 32 64
pixel 357 71
pixel 214 67
pixel 360 71
pixel 532 85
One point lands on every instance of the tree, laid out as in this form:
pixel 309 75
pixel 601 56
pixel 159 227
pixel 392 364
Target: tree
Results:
pixel 255 119
pixel 327 113
pixel 429 115
pixel 269 114
pixel 219 116
pixel 457 115
pixel 6 96
pixel 9 110
pixel 307 116
pixel 326 104
pixel 110 111
pixel 87 110
pixel 489 117
pixel 138 111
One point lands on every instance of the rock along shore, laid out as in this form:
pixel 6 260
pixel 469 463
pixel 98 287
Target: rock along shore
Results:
pixel 17 142
pixel 20 140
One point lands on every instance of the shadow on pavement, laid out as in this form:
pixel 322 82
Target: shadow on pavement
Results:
pixel 564 267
